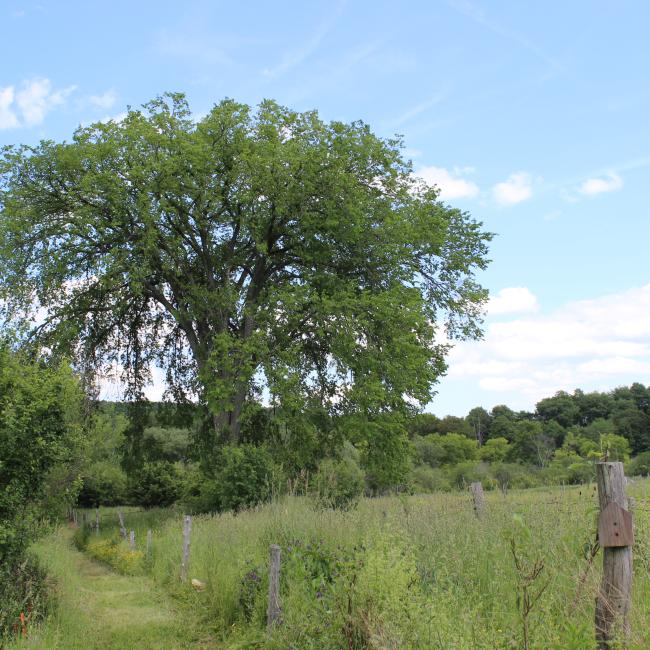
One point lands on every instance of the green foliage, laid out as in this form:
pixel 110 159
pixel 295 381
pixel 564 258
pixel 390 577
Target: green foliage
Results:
pixel 166 443
pixel 428 479
pixel 462 474
pixel 243 476
pixel 639 466
pixel 449 449
pixel 339 483
pixel 155 484
pixel 104 484
pixel 385 451
pixel 255 246
pixel 495 450
pixel 39 444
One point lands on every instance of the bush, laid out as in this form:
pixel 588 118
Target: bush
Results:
pixel 39 447
pixel 156 484
pixel 512 475
pixel 339 483
pixel 463 474
pixel 428 479
pixel 104 484
pixel 242 477
pixel 639 466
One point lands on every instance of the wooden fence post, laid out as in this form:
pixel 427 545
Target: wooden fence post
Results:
pixel 149 543
pixel 97 520
pixel 274 610
pixel 132 540
pixel 185 561
pixel 479 498
pixel 616 537
pixel 122 527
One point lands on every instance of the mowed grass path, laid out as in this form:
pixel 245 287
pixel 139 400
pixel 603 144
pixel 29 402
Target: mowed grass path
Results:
pixel 100 609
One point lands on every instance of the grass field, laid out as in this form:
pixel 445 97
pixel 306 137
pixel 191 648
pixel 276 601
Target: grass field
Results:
pixel 412 572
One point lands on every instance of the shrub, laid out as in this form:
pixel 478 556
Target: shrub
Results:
pixel 339 483
pixel 639 466
pixel 156 484
pixel 512 475
pixel 429 479
pixel 494 450
pixel 39 446
pixel 242 477
pixel 104 484
pixel 463 474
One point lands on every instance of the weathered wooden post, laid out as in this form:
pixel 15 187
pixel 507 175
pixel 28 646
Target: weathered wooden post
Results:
pixel 97 520
pixel 122 526
pixel 132 540
pixel 185 561
pixel 149 543
pixel 273 611
pixel 479 498
pixel 83 519
pixel 616 537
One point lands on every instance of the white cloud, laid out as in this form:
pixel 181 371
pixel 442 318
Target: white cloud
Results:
pixel 33 101
pixel 512 300
pixel 36 99
pixel 8 118
pixel 517 188
pixel 451 184
pixel 610 183
pixel 105 100
pixel 606 339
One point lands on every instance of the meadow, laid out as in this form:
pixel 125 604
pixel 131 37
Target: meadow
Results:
pixel 395 572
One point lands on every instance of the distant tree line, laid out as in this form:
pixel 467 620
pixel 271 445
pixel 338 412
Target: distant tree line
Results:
pixel 558 442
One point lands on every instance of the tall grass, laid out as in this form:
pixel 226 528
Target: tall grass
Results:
pixel 411 572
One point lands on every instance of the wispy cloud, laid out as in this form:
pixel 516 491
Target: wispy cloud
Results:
pixel 293 58
pixel 105 100
pixel 479 16
pixel 517 188
pixel 29 105
pixel 609 183
pixel 452 185
pixel 194 46
pixel 418 109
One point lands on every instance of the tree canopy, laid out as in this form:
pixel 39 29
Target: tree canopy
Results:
pixel 250 250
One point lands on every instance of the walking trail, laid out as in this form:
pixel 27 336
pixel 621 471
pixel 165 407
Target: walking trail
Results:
pixel 100 609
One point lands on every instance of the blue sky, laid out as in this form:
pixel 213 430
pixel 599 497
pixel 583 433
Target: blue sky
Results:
pixel 532 116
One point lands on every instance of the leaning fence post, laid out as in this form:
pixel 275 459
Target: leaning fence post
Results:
pixel 149 534
pixel 97 520
pixel 132 540
pixel 122 527
pixel 185 561
pixel 616 537
pixel 479 498
pixel 273 611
